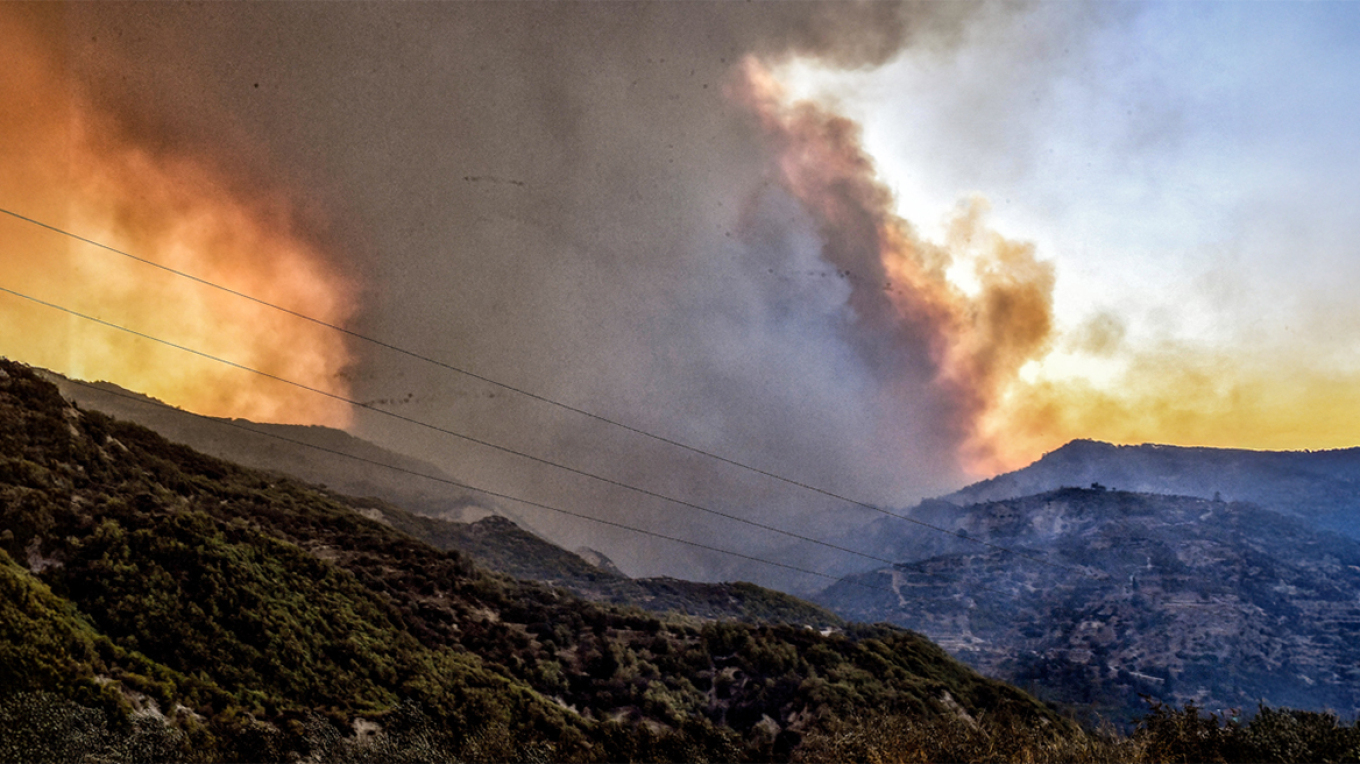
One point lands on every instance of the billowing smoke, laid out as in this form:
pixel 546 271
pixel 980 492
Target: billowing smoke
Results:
pixel 926 339
pixel 74 164
pixel 609 204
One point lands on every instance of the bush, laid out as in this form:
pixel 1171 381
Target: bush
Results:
pixel 1272 735
pixel 43 727
pixel 898 739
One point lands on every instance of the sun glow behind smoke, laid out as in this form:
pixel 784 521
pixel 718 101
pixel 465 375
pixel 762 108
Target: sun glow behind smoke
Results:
pixel 69 164
pixel 969 312
pixel 1038 376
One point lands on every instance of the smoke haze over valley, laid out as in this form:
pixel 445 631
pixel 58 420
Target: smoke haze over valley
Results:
pixel 831 241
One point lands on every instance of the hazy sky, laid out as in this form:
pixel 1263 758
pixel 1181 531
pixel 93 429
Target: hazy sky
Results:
pixel 1131 222
pixel 1189 166
pixel 1192 170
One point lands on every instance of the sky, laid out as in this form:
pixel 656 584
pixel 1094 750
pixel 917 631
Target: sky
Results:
pixel 881 249
pixel 1189 168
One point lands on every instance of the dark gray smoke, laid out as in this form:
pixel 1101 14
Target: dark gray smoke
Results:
pixel 563 196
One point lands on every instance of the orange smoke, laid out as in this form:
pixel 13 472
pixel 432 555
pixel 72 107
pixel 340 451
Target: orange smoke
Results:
pixel 971 341
pixel 976 308
pixel 67 163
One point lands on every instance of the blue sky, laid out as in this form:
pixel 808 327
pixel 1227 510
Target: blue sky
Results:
pixel 1192 167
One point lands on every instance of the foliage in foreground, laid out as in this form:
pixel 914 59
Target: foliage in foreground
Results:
pixel 154 594
pixel 1165 735
pixel 42 727
pixel 1272 734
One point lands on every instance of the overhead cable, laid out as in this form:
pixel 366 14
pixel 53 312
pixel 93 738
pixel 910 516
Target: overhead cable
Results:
pixel 544 399
pixel 454 433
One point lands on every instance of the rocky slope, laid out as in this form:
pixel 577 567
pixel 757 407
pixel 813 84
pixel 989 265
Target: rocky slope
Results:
pixel 1177 598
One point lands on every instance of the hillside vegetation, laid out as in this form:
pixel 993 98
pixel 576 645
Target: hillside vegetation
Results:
pixel 418 499
pixel 162 604
pixel 500 545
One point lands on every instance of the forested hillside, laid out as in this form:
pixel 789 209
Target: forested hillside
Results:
pixel 161 604
pixel 419 499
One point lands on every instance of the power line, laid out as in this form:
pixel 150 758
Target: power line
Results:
pixel 849 579
pixel 543 399
pixel 1059 649
pixel 853 579
pixel 436 428
pixel 445 430
pixel 469 487
pixel 487 444
pixel 1168 602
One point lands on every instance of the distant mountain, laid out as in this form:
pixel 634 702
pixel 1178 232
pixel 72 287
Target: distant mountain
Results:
pixel 500 545
pixel 309 453
pixel 430 510
pixel 1320 487
pixel 159 604
pixel 1178 598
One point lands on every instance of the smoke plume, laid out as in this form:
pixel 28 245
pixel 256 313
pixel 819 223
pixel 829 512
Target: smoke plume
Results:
pixel 612 205
pixel 921 334
pixel 73 164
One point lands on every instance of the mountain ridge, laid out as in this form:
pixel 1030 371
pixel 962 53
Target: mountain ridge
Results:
pixel 376 483
pixel 306 452
pixel 1321 487
pixel 1180 598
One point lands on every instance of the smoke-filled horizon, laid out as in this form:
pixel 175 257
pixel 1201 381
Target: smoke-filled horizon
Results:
pixel 624 207
pixel 70 160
